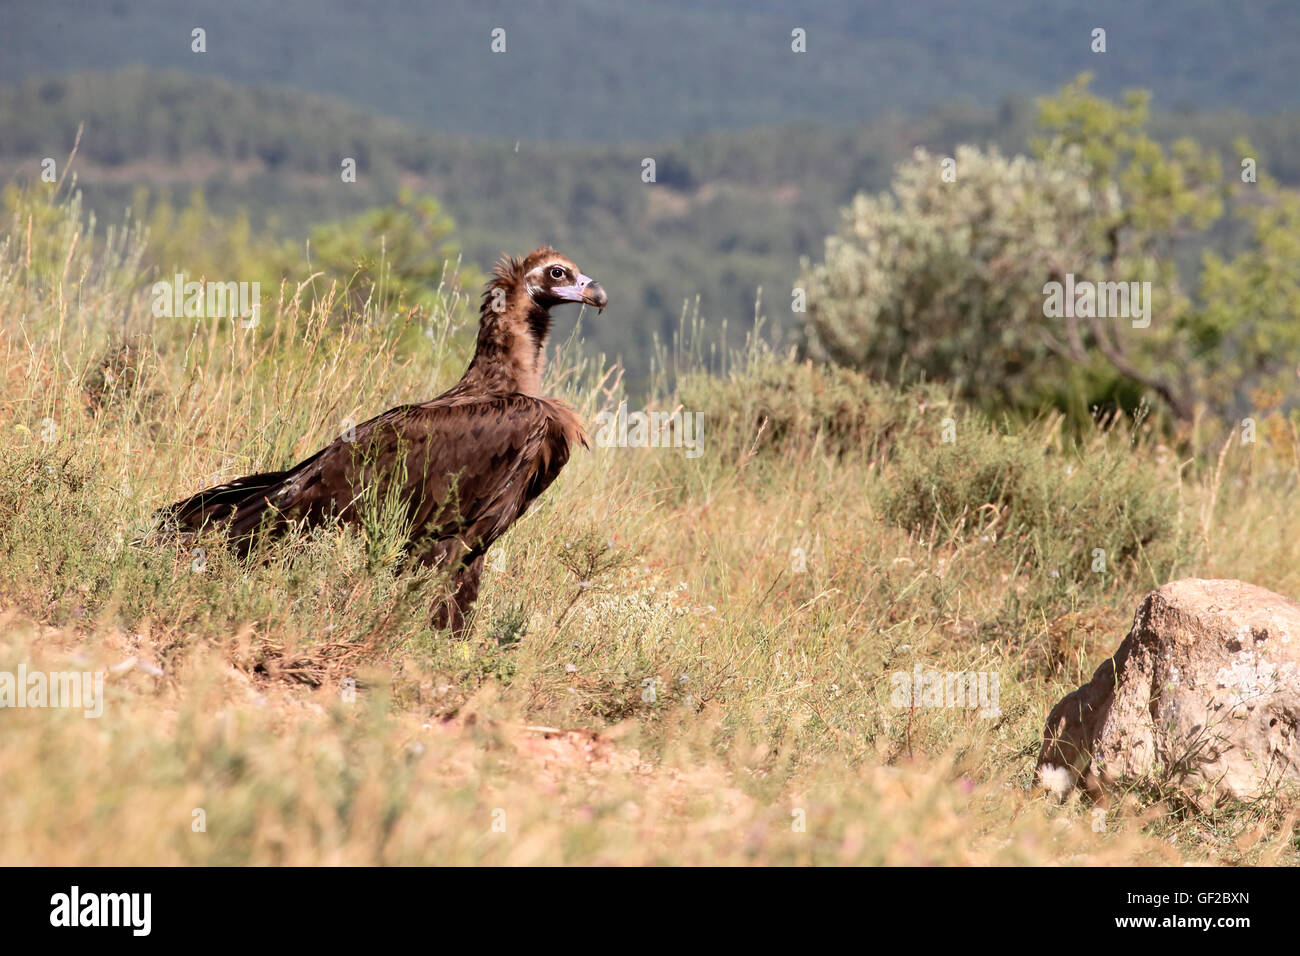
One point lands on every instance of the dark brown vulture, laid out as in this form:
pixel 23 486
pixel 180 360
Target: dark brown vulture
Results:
pixel 466 464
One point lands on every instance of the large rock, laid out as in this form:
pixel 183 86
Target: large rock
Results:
pixel 1203 695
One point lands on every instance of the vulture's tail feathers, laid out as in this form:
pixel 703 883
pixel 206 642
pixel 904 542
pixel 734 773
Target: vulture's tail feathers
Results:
pixel 235 502
pixel 240 507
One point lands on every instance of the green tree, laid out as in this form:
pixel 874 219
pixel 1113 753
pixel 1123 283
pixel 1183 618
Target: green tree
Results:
pixel 1245 328
pixel 1146 199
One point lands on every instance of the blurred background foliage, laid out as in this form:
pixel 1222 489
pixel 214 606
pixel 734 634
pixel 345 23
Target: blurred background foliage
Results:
pixel 922 278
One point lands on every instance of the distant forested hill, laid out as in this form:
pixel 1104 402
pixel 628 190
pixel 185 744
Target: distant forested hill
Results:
pixel 730 211
pixel 593 70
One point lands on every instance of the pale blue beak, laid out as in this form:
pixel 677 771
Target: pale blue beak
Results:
pixel 585 290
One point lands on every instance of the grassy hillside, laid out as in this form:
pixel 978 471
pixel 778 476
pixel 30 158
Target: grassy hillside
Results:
pixel 621 72
pixel 674 660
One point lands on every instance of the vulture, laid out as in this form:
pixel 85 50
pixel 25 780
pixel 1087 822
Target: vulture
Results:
pixel 465 466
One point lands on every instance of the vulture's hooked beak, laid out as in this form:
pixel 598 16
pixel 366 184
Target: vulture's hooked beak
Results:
pixel 585 290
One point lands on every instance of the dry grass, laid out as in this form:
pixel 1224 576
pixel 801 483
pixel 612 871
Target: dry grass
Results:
pixel 673 660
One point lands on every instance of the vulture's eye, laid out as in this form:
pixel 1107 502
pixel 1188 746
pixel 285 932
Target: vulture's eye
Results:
pixel 557 273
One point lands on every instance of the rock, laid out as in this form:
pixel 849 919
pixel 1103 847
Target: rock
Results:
pixel 1203 696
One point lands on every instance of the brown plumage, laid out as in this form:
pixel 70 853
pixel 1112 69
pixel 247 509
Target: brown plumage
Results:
pixel 466 465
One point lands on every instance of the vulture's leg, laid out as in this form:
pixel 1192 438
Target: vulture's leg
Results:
pixel 462 601
pixel 451 609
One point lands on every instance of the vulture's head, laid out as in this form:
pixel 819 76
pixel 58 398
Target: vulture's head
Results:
pixel 541 280
pixel 516 319
pixel 551 279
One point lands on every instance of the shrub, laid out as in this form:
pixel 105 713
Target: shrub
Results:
pixel 1056 509
pixel 775 404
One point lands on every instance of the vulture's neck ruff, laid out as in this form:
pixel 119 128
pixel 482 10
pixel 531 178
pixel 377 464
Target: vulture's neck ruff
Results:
pixel 515 320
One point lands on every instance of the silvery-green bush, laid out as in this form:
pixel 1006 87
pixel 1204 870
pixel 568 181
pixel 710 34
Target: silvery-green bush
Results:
pixel 945 279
